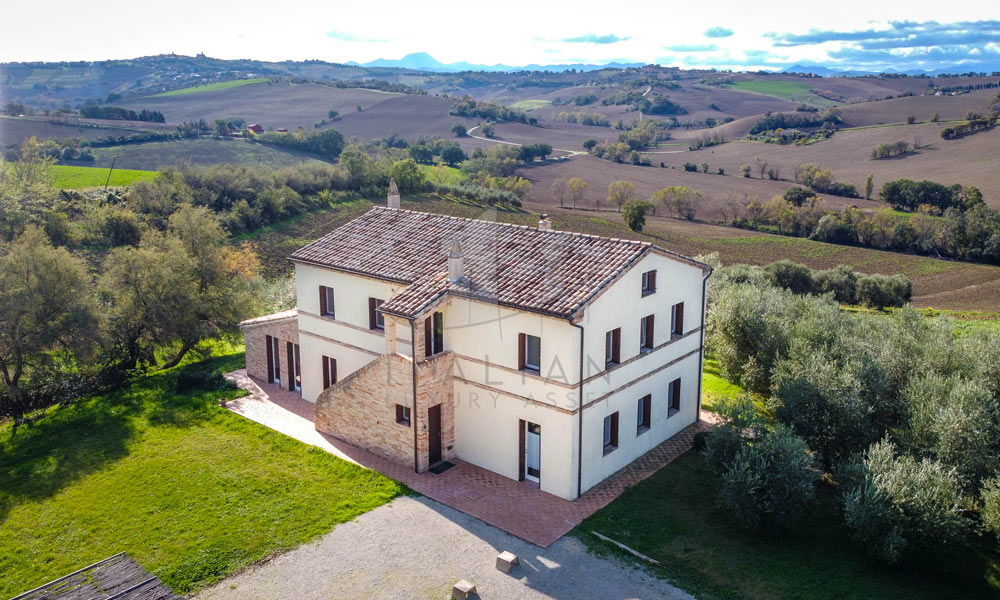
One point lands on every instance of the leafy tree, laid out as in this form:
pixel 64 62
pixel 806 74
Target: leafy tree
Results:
pixel 620 192
pixel 745 171
pixel 408 176
pixel 452 155
pixel 900 505
pixel 791 275
pixel 45 306
pixel 798 195
pixel 333 115
pixel 841 281
pixel 879 291
pixel 679 200
pixel 991 505
pixel 422 154
pixel 577 187
pixel 869 186
pixel 460 130
pixel 588 145
pixel 488 129
pixel 26 191
pixel 635 214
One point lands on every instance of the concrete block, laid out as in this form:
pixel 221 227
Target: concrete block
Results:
pixel 463 590
pixel 506 561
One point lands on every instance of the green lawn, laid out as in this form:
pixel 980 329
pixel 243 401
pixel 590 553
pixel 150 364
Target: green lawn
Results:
pixel 531 104
pixel 211 87
pixel 442 174
pixel 188 489
pixel 714 386
pixel 73 177
pixel 673 518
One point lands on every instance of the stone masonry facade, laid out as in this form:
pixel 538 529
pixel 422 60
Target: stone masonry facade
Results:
pixel 285 327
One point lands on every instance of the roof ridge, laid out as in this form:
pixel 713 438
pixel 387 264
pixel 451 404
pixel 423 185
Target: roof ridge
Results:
pixel 516 225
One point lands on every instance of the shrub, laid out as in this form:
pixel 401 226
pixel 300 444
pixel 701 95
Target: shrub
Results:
pixel 635 214
pixel 990 512
pixel 791 275
pixel 899 505
pixel 879 291
pixel 122 228
pixel 459 130
pixel 798 195
pixel 745 170
pixel 690 167
pixel 841 281
pixel 201 380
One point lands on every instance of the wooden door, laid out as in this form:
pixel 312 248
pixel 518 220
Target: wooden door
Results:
pixel 434 433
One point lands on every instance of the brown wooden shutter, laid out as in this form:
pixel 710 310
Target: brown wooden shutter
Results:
pixel 614 429
pixel 652 281
pixel 649 331
pixel 521 446
pixel 333 371
pixel 326 372
pixel 680 318
pixel 322 300
pixel 270 358
pixel 371 313
pixel 616 343
pixel 520 351
pixel 290 350
pixel 646 416
pixel 428 335
pixel 399 413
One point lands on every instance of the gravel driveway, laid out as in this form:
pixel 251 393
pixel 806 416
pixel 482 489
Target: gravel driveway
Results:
pixel 418 548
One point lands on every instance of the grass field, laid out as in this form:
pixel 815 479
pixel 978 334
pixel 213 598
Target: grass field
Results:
pixel 442 174
pixel 715 387
pixel 210 87
pixel 788 90
pixel 201 152
pixel 534 104
pixel 673 518
pixel 190 490
pixel 72 177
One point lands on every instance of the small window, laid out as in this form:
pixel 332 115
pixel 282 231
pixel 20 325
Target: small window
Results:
pixel 611 433
pixel 643 414
pixel 612 347
pixel 530 352
pixel 403 415
pixel 329 371
pixel 648 283
pixel 674 398
pixel 325 301
pixel 646 333
pixel 375 318
pixel 677 319
pixel 434 334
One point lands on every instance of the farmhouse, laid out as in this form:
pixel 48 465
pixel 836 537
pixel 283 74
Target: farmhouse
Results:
pixel 255 128
pixel 424 338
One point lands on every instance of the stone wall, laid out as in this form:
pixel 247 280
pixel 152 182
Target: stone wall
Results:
pixel 361 408
pixel 255 332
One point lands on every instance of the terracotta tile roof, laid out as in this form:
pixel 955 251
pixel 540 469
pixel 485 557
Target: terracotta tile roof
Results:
pixel 271 318
pixel 552 272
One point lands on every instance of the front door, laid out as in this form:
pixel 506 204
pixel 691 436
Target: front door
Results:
pixel 533 452
pixel 434 433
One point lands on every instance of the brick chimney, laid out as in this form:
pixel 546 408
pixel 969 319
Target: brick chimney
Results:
pixel 456 262
pixel 392 200
pixel 544 224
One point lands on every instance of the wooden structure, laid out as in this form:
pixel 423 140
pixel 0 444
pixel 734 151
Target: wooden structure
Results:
pixel 117 577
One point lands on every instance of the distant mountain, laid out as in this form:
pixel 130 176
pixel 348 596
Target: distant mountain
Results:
pixel 824 71
pixel 422 61
pixel 821 71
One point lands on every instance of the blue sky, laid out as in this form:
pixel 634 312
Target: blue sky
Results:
pixel 849 34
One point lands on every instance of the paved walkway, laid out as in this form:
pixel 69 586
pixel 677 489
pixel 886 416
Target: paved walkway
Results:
pixel 418 548
pixel 517 507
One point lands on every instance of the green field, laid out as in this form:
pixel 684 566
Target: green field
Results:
pixel 210 87
pixel 789 90
pixel 202 152
pixel 673 518
pixel 531 104
pixel 442 174
pixel 190 490
pixel 72 177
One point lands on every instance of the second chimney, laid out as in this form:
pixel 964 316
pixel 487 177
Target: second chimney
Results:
pixel 544 224
pixel 456 262
pixel 392 200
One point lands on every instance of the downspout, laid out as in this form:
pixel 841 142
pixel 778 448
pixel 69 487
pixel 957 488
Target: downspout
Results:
pixel 413 411
pixel 579 457
pixel 701 353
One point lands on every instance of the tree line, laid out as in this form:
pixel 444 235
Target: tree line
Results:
pixel 122 114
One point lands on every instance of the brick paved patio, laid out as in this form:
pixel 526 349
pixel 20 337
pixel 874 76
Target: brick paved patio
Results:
pixel 519 508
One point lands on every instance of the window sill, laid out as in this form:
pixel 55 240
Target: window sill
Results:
pixel 403 423
pixel 645 349
pixel 672 411
pixel 609 449
pixel 530 371
pixel 648 292
pixel 641 430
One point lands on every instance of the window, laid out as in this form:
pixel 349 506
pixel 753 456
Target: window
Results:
pixel 375 318
pixel 325 301
pixel 273 360
pixel 294 371
pixel 674 398
pixel 611 433
pixel 434 334
pixel 329 371
pixel 612 347
pixel 529 353
pixel 403 415
pixel 648 283
pixel 646 333
pixel 642 414
pixel 677 319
